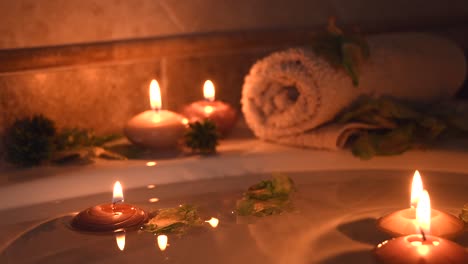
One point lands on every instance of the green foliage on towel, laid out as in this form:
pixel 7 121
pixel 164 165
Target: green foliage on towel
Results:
pixel 202 137
pixel 400 127
pixel 347 50
pixel 175 220
pixel 267 197
pixel 30 141
pixel 73 138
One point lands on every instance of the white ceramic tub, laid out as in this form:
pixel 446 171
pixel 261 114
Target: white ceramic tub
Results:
pixel 339 198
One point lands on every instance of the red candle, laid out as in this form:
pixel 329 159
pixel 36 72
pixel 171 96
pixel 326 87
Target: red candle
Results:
pixel 222 114
pixel 416 249
pixel 111 216
pixel 421 248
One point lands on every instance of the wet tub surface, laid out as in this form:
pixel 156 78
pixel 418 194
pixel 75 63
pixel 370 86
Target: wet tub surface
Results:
pixel 333 221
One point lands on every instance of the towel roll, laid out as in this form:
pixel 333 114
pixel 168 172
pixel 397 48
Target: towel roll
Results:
pixel 290 93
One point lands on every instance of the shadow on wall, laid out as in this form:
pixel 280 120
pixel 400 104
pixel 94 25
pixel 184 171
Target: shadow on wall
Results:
pixel 55 22
pixel 463 93
pixel 104 97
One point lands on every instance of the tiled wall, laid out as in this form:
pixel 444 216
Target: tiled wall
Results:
pixel 104 96
pixel 99 97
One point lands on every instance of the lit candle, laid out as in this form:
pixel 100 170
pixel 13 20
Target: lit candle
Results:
pixel 222 114
pixel 110 217
pixel 156 128
pixel 421 248
pixel 402 222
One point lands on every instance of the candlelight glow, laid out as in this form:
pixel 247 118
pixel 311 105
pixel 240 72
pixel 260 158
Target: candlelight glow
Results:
pixel 151 163
pixel 416 189
pixel 208 109
pixel 120 239
pixel 155 95
pixel 185 121
pixel 213 222
pixel 423 250
pixel 423 213
pixel 153 200
pixel 209 91
pixel 118 193
pixel 162 242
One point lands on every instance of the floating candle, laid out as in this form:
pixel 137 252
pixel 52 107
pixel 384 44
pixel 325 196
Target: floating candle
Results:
pixel 111 216
pixel 402 222
pixel 421 248
pixel 222 114
pixel 156 128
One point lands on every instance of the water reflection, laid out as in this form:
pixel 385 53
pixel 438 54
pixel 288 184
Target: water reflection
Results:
pixel 120 239
pixel 162 242
pixel 213 222
pixel 153 200
pixel 151 163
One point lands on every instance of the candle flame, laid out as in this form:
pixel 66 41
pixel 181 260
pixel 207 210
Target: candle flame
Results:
pixel 209 91
pixel 416 189
pixel 118 193
pixel 423 213
pixel 162 242
pixel 120 239
pixel 213 222
pixel 155 95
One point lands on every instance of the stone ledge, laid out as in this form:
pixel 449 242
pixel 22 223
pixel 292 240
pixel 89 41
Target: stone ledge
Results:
pixel 26 59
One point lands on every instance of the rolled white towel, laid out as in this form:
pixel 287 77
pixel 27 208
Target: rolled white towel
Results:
pixel 289 94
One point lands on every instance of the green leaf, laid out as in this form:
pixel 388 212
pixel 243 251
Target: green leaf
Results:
pixel 464 214
pixel 396 141
pixel 282 185
pixel 266 197
pixel 244 207
pixel 390 142
pixel 364 147
pixel 173 220
pixel 351 58
pixel 347 50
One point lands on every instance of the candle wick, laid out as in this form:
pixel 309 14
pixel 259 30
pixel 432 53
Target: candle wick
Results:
pixel 113 205
pixel 423 234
